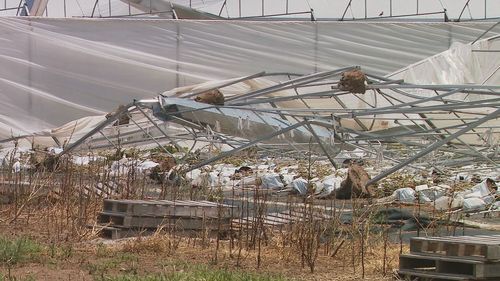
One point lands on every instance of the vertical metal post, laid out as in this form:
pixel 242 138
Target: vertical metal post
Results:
pixel 109 7
pixel 390 7
pixel 262 7
pixel 320 143
pixel 129 9
pixel 190 6
pixel 366 9
pixel 46 11
pixel 239 7
pixel 417 6
pixel 287 6
pixel 485 8
pixel 64 8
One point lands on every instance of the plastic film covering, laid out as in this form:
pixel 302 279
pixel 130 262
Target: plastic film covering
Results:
pixel 462 64
pixel 57 70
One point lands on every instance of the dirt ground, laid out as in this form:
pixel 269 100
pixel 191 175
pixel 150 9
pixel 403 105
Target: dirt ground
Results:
pixel 94 258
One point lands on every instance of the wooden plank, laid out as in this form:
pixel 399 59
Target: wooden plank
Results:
pixel 485 246
pixel 123 220
pixel 451 265
pixel 479 239
pixel 119 233
pixel 155 208
pixel 431 275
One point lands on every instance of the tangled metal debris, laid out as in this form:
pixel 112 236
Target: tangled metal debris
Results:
pixel 327 112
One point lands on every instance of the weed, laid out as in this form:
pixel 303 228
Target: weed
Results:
pixel 18 250
pixel 13 278
pixel 106 265
pixel 193 273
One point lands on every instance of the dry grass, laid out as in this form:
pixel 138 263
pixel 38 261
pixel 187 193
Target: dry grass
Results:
pixel 55 210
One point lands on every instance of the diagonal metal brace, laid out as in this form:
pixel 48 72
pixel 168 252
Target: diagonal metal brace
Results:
pixel 435 146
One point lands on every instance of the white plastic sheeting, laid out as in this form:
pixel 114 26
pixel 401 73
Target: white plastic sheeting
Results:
pixel 462 64
pixel 56 70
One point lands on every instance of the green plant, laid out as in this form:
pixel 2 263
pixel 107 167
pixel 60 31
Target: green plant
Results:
pixel 13 278
pixel 106 265
pixel 18 250
pixel 195 273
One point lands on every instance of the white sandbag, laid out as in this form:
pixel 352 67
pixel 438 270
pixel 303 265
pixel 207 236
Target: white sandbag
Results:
pixel 300 185
pixel 118 168
pixel 446 202
pixel 474 204
pixel 431 194
pixel 146 165
pixel 271 181
pixel 488 199
pixel 327 186
pixel 263 167
pixel 288 179
pixel 192 175
pixel 16 168
pixel 422 197
pixel 250 181
pixel 406 194
pixel 421 187
pixel 460 177
pixel 478 191
pixel 496 206
pixel 55 150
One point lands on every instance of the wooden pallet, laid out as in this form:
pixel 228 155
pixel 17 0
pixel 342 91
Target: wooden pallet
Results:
pixel 452 258
pixel 418 275
pixel 166 208
pixel 479 247
pixel 124 220
pixel 473 269
pixel 119 233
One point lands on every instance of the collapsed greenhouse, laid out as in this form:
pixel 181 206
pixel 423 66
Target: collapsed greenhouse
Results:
pixel 311 128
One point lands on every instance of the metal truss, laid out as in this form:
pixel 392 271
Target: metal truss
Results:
pixel 445 121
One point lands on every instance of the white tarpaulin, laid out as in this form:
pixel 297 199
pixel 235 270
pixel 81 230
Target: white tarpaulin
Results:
pixel 57 70
pixel 462 64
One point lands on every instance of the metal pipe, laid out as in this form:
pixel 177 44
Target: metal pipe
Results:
pixel 320 143
pixel 345 11
pixel 434 146
pixel 463 10
pixel 151 137
pixel 256 75
pixel 101 125
pixel 484 33
pixel 297 81
pixel 158 127
pixel 249 144
pixel 397 16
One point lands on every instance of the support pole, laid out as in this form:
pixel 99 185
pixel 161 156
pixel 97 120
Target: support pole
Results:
pixel 158 127
pixel 320 143
pixel 151 137
pixel 92 132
